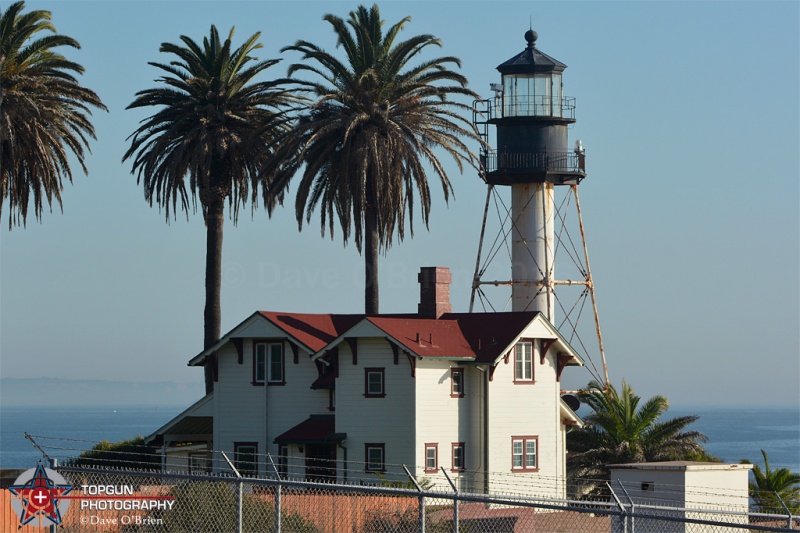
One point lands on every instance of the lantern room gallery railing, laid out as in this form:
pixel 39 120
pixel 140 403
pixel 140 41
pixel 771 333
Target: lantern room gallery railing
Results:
pixel 519 162
pixel 529 106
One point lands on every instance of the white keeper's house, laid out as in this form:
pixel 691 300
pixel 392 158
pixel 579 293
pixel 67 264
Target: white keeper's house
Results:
pixel 345 397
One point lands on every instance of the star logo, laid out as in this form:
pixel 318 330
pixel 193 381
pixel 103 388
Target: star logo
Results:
pixel 38 493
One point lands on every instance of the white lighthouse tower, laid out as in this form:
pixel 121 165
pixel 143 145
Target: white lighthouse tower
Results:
pixel 531 117
pixel 532 155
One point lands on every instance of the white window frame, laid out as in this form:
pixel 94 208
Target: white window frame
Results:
pixel 370 462
pixel 523 362
pixel 431 457
pixel 265 355
pixel 199 463
pixel 457 383
pixel 379 392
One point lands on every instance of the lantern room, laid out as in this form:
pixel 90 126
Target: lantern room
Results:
pixel 531 116
pixel 531 83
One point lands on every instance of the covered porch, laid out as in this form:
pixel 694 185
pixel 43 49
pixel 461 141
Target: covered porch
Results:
pixel 314 442
pixel 186 441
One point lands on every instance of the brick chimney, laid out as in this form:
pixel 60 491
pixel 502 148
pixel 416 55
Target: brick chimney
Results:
pixel 434 292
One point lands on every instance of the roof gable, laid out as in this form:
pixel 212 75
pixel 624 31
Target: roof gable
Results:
pixel 311 331
pixel 478 337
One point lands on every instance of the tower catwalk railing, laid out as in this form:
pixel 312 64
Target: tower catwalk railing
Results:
pixel 525 162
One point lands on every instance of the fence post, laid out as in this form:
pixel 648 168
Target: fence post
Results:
pixel 621 508
pixel 455 500
pixel 633 510
pixel 239 505
pixel 421 528
pixel 238 493
pixel 277 495
pixel 789 525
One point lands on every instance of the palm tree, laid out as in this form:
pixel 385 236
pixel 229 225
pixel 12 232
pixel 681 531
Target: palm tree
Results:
pixel 771 487
pixel 211 134
pixel 376 122
pixel 44 113
pixel 619 430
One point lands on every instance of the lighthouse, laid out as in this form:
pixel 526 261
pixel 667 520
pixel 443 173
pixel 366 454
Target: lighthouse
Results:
pixel 532 156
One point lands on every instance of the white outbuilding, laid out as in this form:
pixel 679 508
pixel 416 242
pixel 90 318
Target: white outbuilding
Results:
pixel 676 488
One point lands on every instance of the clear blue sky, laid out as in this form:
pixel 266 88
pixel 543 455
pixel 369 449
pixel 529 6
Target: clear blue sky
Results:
pixel 689 112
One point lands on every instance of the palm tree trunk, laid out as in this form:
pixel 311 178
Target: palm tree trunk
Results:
pixel 371 261
pixel 213 314
pixel 2 140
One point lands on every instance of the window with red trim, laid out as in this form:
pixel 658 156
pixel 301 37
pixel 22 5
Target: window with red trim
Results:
pixel 523 362
pixel 459 458
pixel 268 363
pixel 374 382
pixel 375 457
pixel 431 458
pixel 456 382
pixel 524 453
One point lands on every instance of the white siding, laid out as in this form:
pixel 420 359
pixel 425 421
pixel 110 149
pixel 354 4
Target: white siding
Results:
pixel 388 420
pixel 239 412
pixel 240 408
pixel 444 420
pixel 526 410
pixel 415 411
pixel 176 460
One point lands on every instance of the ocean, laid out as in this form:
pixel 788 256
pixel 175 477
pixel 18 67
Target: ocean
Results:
pixel 741 433
pixel 72 427
pixel 734 433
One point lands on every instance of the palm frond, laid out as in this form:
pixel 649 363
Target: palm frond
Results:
pixel 622 429
pixel 44 113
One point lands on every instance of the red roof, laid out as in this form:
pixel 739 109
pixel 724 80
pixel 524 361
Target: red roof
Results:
pixel 316 429
pixel 313 330
pixel 477 336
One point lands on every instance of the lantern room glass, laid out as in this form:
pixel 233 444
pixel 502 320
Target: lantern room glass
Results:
pixel 537 95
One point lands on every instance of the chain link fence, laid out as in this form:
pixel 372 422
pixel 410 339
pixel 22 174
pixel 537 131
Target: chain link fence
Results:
pixel 127 491
pixel 103 500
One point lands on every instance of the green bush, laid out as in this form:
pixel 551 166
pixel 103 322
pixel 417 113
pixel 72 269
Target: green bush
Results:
pixel 131 454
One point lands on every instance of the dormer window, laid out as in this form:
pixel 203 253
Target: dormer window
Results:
pixel 523 362
pixel 456 382
pixel 268 363
pixel 374 382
